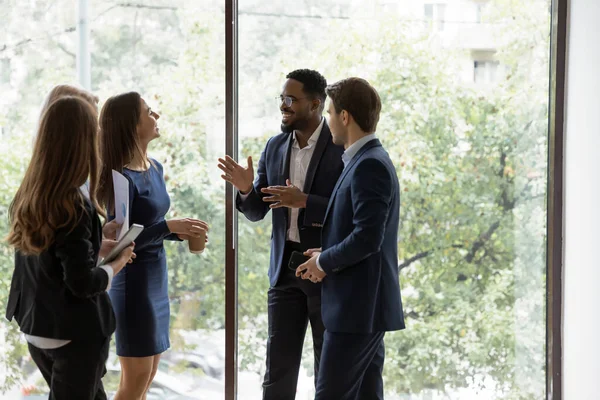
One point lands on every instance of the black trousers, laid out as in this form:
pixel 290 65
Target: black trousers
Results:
pixel 74 371
pixel 351 367
pixel 292 303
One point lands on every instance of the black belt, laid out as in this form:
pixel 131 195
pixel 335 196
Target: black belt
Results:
pixel 293 246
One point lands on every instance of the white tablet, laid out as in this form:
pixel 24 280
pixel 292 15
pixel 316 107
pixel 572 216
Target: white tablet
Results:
pixel 125 241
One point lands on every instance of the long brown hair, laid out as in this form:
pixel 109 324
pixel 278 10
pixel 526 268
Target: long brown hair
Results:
pixel 119 140
pixel 65 155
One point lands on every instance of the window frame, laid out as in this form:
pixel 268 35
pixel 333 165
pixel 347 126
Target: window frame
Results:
pixel 555 236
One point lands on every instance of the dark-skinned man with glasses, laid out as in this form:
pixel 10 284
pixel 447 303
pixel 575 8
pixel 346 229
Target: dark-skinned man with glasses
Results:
pixel 297 172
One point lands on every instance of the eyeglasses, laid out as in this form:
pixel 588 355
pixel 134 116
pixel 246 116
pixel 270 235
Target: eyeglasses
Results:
pixel 288 100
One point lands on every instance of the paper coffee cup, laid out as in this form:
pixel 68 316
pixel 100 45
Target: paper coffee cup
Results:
pixel 197 244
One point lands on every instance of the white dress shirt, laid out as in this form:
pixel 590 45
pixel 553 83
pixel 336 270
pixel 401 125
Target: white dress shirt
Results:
pixel 50 343
pixel 347 157
pixel 299 162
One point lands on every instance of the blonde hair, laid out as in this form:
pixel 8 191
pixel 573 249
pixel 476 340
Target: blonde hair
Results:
pixel 68 90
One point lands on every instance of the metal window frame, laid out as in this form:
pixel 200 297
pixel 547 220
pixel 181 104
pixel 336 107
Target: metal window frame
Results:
pixel 231 140
pixel 555 188
pixel 555 234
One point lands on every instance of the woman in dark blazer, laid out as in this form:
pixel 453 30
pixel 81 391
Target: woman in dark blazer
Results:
pixel 58 295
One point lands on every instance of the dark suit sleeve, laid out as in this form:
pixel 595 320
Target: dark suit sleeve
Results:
pixel 253 207
pixel 314 213
pixel 371 191
pixel 75 252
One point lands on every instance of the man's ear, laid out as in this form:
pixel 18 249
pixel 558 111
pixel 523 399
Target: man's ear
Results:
pixel 345 117
pixel 316 104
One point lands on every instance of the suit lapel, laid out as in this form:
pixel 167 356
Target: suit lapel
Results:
pixel 357 156
pixel 284 168
pixel 324 138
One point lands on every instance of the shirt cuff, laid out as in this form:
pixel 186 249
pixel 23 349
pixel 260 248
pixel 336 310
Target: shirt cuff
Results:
pixel 243 197
pixel 318 264
pixel 110 273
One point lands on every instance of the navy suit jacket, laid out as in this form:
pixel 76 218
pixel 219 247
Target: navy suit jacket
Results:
pixel 361 293
pixel 273 169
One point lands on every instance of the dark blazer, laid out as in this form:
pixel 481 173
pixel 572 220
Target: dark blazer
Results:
pixel 60 293
pixel 361 293
pixel 273 169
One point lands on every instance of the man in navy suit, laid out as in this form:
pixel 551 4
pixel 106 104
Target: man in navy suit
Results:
pixel 296 175
pixel 358 264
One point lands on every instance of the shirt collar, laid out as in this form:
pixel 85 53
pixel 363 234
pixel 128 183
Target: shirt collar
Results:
pixel 313 138
pixel 85 190
pixel 355 147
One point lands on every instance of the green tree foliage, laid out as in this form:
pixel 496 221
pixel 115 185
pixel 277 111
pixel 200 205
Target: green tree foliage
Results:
pixel 471 163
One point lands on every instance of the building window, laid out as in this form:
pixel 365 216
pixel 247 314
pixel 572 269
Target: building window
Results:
pixel 435 14
pixel 485 71
pixel 480 7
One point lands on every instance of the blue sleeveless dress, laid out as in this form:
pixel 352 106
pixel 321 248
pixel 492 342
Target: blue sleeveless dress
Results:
pixel 139 293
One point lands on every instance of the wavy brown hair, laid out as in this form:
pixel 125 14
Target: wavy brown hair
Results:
pixel 65 155
pixel 119 140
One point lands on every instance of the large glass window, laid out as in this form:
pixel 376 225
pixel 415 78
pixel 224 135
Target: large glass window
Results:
pixel 468 136
pixel 172 53
pixel 472 167
pixel 31 61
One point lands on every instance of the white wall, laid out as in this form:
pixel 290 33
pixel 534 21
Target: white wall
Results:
pixel 581 323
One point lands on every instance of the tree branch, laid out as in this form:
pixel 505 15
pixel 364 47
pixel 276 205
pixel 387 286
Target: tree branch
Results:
pixel 482 240
pixel 424 254
pixel 138 5
pixel 502 164
pixel 303 16
pixel 134 5
pixel 414 258
pixel 22 42
pixel 63 48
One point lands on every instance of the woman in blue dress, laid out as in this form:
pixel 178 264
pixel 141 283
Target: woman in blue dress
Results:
pixel 139 294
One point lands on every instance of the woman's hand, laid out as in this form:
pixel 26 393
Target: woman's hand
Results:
pixel 106 247
pixel 187 227
pixel 187 237
pixel 109 230
pixel 125 257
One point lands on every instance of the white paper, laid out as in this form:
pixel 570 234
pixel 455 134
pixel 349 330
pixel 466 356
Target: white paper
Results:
pixel 121 186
